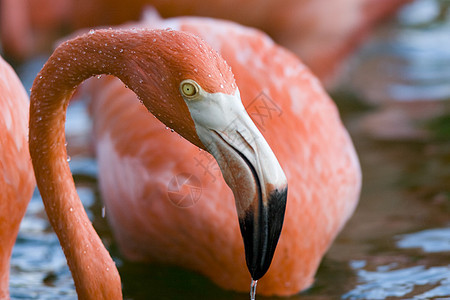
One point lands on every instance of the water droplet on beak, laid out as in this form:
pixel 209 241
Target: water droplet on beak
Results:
pixel 253 289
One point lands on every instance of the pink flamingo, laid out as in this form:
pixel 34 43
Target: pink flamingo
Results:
pixel 16 175
pixel 203 105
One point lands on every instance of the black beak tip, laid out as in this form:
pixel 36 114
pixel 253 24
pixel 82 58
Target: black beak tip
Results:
pixel 261 227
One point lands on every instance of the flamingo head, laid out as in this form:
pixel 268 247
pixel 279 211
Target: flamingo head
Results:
pixel 248 165
pixel 194 93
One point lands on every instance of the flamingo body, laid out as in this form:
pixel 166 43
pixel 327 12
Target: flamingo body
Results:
pixel 16 173
pixel 138 158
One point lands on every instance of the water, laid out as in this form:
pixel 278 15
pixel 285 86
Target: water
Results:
pixel 409 60
pixel 253 289
pixel 431 240
pixel 396 246
pixel 388 281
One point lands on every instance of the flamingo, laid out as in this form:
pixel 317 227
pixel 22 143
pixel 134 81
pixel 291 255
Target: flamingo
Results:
pixel 322 32
pixel 16 173
pixel 138 158
pixel 203 105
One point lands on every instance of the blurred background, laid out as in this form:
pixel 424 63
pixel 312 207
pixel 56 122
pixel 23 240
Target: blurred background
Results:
pixel 386 63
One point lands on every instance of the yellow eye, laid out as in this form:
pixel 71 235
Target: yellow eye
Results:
pixel 190 89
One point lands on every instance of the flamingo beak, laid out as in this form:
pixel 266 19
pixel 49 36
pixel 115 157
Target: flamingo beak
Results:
pixel 250 169
pixel 259 186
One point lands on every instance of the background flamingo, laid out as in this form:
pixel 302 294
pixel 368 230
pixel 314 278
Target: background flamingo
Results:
pixel 16 175
pixel 321 32
pixel 296 117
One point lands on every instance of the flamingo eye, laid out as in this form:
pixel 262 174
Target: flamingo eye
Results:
pixel 189 88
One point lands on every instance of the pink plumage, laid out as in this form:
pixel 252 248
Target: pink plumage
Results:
pixel 16 173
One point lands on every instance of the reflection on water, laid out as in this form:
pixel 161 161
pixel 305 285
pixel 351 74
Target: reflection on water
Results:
pixel 387 281
pixel 432 240
pixel 410 61
pixel 38 266
pixel 397 245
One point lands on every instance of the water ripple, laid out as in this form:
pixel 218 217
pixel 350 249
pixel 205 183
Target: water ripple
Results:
pixel 388 282
pixel 431 240
pixel 411 62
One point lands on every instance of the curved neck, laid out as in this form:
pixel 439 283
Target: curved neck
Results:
pixel 93 270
